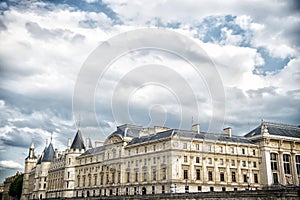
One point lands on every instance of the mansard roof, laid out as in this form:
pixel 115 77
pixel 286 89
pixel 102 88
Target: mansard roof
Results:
pixel 128 130
pixel 93 151
pixel 190 135
pixel 78 141
pixel 276 129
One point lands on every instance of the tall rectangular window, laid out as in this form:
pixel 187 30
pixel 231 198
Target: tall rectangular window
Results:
pixel 128 177
pixel 184 145
pixel 154 147
pixel 185 174
pixel 275 178
pixel 198 174
pixel 286 163
pixel 145 176
pixel 254 164
pixel 298 164
pixel 233 177
pixel 197 147
pixel 222 177
pixel 273 161
pixel 245 178
pixel 243 151
pixel 210 175
pixel 154 174
pixel 136 176
pixel 185 159
pixel 197 159
pixel 164 174
pixel 255 178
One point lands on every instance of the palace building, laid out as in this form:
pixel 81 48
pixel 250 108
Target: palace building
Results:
pixel 136 161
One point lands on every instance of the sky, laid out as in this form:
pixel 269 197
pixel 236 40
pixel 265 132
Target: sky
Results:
pixel 251 49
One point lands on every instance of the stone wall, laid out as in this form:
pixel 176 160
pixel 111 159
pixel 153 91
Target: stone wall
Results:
pixel 282 194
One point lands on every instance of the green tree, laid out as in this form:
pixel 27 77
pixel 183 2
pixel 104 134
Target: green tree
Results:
pixel 15 188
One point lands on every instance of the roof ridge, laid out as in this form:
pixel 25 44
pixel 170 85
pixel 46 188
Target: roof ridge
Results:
pixel 281 124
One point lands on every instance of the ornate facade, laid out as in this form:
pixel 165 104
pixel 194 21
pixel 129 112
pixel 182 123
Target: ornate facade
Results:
pixel 135 160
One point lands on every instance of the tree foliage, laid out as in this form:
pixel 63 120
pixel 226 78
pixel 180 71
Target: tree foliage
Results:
pixel 15 189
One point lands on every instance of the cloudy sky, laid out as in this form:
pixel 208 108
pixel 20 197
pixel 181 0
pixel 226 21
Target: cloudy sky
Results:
pixel 254 47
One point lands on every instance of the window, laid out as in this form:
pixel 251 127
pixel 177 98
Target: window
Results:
pixel 275 178
pixel 164 174
pixel 164 145
pixel 254 164
pixel 154 147
pixel 232 150
pixel 197 147
pixel 209 148
pixel 95 180
pixel 129 152
pixel 101 180
pixel 164 159
pixel 232 162
pixel 243 151
pixel 145 176
pixel 221 161
pixel 128 177
pixel 137 150
pixel 245 178
pixel 210 176
pixel 255 178
pixel 136 176
pixel 185 174
pixel 184 158
pixel 286 163
pixel 211 189
pixel 128 164
pixel 154 174
pixel 233 177
pixel 197 160
pixel 162 189
pixel 136 163
pixel 119 177
pixel 273 161
pixel 254 152
pixel 154 160
pixel 199 188
pixel 198 174
pixel 209 161
pixel 298 164
pixel 221 149
pixel 145 149
pixel 244 163
pixel 184 145
pixel 222 177
pixel 223 189
pixel 153 189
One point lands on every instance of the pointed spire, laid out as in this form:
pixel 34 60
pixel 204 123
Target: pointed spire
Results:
pixel 78 141
pixel 51 137
pixel 31 150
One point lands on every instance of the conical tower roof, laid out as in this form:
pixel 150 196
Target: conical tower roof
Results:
pixel 78 141
pixel 49 154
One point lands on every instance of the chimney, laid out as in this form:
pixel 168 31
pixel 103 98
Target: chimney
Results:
pixel 56 153
pixel 227 131
pixel 196 127
pixel 69 143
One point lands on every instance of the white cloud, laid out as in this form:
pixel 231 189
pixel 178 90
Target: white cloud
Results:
pixel 10 164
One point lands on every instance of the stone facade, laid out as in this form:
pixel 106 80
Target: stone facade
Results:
pixel 142 161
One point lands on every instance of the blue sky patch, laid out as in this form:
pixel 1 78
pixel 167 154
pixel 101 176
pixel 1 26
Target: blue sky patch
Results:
pixel 272 64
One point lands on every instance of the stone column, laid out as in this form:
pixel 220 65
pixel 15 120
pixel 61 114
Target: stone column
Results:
pixel 239 172
pixel 266 171
pixel 205 177
pixel 228 170
pixel 281 168
pixel 294 169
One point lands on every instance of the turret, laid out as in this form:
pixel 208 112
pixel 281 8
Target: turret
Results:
pixel 30 162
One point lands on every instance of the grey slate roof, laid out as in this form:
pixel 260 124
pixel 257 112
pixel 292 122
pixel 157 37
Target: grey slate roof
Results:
pixel 48 154
pixel 93 150
pixel 128 130
pixel 276 129
pixel 190 135
pixel 78 141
